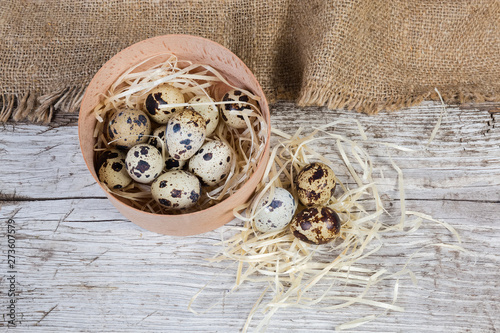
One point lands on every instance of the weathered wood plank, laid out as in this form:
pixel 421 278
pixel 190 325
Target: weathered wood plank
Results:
pixel 110 274
pixel 44 162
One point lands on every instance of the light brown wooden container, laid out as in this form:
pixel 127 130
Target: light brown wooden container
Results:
pixel 198 50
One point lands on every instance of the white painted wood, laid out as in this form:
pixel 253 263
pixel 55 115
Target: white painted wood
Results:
pixel 81 266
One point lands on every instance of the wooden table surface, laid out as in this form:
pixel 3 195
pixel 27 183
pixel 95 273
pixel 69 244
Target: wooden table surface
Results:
pixel 82 267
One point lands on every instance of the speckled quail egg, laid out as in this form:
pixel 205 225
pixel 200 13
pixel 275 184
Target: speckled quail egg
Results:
pixel 231 113
pixel 209 112
pixel 144 163
pixel 156 104
pixel 315 184
pixel 186 132
pixel 158 136
pixel 173 164
pixel 111 169
pixel 128 127
pixel 170 163
pixel 316 225
pixel 212 162
pixel 176 189
pixel 277 212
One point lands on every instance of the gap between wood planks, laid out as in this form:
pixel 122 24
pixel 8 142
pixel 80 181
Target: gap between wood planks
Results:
pixel 25 199
pixel 14 199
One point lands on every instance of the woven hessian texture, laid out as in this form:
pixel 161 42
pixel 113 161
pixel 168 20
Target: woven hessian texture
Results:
pixel 365 55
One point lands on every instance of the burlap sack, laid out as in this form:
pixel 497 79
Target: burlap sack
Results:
pixel 366 55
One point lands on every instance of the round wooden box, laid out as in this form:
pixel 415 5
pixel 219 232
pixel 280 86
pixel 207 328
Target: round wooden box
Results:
pixel 198 50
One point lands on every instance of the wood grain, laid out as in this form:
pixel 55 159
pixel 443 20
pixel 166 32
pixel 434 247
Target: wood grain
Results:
pixel 83 267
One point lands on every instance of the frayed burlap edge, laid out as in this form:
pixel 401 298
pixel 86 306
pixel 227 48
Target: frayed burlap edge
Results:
pixel 316 95
pixel 40 109
pixel 35 108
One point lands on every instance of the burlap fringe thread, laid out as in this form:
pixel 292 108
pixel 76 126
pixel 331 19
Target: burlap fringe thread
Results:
pixel 332 98
pixel 40 109
pixel 29 107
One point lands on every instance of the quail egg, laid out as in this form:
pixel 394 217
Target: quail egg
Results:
pixel 111 169
pixel 173 164
pixel 144 163
pixel 212 162
pixel 156 104
pixel 176 189
pixel 277 211
pixel 315 184
pixel 186 132
pixel 170 163
pixel 209 112
pixel 316 225
pixel 231 113
pixel 157 137
pixel 128 127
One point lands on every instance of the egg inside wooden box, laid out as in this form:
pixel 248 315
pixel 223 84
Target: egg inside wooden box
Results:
pixel 116 128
